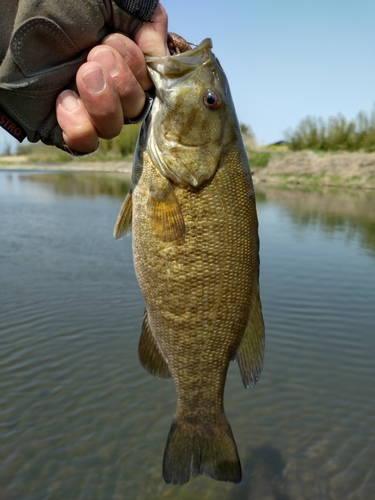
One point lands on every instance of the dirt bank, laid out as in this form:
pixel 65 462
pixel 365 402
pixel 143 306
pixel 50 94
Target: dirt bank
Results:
pixel 328 169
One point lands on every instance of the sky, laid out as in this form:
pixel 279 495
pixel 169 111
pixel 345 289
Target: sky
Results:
pixel 284 59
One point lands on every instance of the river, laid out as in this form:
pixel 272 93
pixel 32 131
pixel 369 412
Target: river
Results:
pixel 81 419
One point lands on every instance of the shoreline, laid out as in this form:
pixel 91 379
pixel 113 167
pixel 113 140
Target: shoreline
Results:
pixel 11 163
pixel 285 168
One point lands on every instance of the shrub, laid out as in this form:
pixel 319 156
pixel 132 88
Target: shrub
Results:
pixel 122 145
pixel 337 134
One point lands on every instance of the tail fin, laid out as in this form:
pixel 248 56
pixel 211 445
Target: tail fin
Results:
pixel 193 450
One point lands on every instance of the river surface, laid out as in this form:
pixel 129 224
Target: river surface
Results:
pixel 79 417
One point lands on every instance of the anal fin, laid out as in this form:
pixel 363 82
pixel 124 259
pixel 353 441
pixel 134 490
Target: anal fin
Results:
pixel 149 352
pixel 124 219
pixel 251 350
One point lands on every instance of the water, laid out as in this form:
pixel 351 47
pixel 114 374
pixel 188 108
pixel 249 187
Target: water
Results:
pixel 80 418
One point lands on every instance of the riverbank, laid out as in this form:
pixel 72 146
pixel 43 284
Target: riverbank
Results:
pixel 75 165
pixel 318 169
pixel 283 168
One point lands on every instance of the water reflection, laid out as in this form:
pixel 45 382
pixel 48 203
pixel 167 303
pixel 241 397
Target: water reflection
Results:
pixel 80 418
pixel 83 184
pixel 351 212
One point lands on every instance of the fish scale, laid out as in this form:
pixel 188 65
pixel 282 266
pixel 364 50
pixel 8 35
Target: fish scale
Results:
pixel 196 257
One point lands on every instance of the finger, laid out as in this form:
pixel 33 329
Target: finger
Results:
pixel 79 133
pixel 129 90
pixel 132 55
pixel 100 98
pixel 151 38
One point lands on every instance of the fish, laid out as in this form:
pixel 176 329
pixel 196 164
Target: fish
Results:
pixel 192 213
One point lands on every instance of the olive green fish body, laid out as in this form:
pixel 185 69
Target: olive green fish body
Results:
pixel 195 247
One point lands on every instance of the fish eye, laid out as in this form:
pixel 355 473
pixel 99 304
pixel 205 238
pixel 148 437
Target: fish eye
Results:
pixel 211 99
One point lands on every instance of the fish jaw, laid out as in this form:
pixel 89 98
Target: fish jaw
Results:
pixel 164 69
pixel 186 137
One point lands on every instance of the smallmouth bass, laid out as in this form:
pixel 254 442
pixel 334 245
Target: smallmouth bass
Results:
pixel 191 208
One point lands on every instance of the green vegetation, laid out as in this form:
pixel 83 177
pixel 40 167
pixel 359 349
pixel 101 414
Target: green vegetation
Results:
pixel 336 134
pixel 41 153
pixel 120 148
pixel 258 159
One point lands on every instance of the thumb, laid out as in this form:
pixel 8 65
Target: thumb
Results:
pixel 151 38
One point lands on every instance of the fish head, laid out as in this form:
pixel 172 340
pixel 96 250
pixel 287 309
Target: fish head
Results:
pixel 192 120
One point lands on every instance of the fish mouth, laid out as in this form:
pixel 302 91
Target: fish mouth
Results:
pixel 204 45
pixel 178 65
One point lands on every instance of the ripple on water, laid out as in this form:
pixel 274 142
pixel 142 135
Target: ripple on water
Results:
pixel 79 417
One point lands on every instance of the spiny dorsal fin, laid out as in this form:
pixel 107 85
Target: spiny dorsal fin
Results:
pixel 166 218
pixel 251 351
pixel 149 353
pixel 124 219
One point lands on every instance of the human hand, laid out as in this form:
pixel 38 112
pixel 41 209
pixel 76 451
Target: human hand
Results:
pixel 50 42
pixel 111 85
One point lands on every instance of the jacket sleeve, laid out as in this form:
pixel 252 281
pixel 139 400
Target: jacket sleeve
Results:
pixel 42 45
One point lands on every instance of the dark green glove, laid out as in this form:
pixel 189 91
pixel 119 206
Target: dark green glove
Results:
pixel 40 56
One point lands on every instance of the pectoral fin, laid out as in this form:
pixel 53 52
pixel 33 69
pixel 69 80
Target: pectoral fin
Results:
pixel 251 351
pixel 149 352
pixel 124 219
pixel 166 218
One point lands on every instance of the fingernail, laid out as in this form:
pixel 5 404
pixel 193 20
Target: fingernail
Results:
pixel 69 100
pixel 119 43
pixel 107 59
pixel 94 80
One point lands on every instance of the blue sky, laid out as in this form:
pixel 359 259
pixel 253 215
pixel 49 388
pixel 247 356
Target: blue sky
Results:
pixel 285 59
